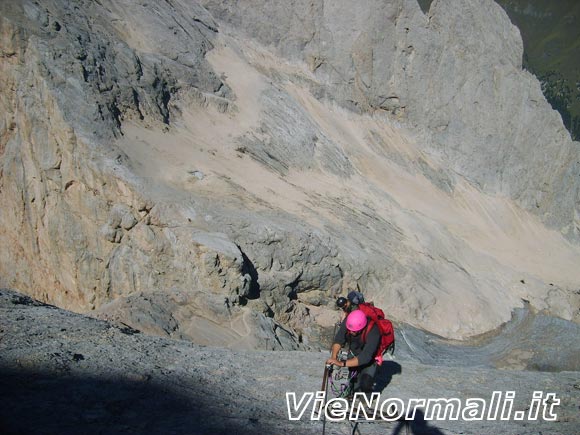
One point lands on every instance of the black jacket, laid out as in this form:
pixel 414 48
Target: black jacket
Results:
pixel 364 351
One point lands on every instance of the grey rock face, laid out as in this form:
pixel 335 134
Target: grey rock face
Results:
pixel 288 138
pixel 70 82
pixel 454 73
pixel 73 76
pixel 192 249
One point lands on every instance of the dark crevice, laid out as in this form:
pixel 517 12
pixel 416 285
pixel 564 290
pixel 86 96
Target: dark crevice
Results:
pixel 85 74
pixel 100 110
pixel 292 293
pixel 116 114
pixel 138 68
pixel 425 5
pixel 249 268
pixel 137 103
pixel 204 24
pixel 164 96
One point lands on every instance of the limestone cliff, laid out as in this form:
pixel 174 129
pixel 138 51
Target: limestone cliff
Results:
pixel 223 181
pixel 454 73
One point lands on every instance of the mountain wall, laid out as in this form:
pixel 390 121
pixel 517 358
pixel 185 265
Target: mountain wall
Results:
pixel 455 72
pixel 221 171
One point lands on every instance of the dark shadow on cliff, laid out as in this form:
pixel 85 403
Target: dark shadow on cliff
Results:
pixel 249 268
pixel 33 402
pixel 417 426
pixel 385 373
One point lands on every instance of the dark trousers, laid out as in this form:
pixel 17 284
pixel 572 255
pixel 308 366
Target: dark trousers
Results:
pixel 366 378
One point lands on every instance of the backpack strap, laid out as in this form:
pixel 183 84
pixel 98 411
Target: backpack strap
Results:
pixel 367 330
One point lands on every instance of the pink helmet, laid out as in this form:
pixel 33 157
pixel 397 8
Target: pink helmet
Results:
pixel 356 321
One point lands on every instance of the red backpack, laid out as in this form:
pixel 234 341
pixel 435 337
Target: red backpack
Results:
pixel 377 316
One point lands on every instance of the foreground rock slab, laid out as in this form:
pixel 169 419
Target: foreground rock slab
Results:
pixel 65 373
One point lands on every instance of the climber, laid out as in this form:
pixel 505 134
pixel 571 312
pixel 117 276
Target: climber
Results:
pixel 362 344
pixel 351 302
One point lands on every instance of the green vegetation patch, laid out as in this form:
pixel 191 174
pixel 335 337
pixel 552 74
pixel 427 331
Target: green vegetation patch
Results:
pixel 551 34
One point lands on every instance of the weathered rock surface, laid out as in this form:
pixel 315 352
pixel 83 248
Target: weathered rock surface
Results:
pixel 455 72
pixel 65 373
pixel 162 170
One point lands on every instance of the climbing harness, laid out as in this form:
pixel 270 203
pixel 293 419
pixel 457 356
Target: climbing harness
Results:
pixel 342 379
